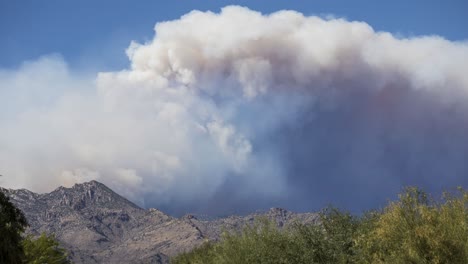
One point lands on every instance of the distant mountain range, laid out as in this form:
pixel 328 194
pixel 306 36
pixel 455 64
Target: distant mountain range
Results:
pixel 96 225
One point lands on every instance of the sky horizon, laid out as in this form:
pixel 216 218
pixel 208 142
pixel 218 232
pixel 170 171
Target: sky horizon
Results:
pixel 237 106
pixel 31 29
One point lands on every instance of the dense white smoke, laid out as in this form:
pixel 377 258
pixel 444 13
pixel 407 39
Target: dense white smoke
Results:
pixel 236 111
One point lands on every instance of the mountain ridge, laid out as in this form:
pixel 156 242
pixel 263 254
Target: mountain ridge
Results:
pixel 97 225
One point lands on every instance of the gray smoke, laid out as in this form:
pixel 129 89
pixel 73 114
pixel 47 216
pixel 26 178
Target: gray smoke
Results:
pixel 237 111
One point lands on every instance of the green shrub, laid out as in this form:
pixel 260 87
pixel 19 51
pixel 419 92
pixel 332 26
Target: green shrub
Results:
pixel 44 249
pixel 263 242
pixel 417 229
pixel 17 249
pixel 414 229
pixel 12 225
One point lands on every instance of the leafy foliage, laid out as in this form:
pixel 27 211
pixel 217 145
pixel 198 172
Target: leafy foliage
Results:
pixel 263 242
pixel 12 225
pixel 414 229
pixel 44 249
pixel 16 249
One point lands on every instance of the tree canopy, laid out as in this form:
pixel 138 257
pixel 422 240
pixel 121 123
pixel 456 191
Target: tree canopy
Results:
pixel 415 229
pixel 44 249
pixel 15 248
pixel 12 225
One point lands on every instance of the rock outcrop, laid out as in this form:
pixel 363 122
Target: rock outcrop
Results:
pixel 96 225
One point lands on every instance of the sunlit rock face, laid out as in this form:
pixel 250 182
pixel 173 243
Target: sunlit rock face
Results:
pixel 96 225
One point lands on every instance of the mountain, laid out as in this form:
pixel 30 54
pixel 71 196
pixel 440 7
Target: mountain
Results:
pixel 96 225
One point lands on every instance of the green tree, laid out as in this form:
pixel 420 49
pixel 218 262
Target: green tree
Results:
pixel 16 249
pixel 12 225
pixel 417 229
pixel 44 249
pixel 414 229
pixel 263 242
pixel 329 242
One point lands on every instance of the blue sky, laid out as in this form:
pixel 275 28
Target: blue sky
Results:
pixel 237 111
pixel 83 30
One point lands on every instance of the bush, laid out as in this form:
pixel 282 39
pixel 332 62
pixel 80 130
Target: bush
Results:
pixel 263 242
pixel 12 225
pixel 417 229
pixel 414 229
pixel 44 249
pixel 16 249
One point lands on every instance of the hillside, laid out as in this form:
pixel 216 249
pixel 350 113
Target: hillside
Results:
pixel 96 225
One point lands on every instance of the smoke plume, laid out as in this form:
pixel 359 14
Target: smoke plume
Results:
pixel 235 111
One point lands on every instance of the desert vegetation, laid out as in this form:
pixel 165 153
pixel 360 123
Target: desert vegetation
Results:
pixel 16 247
pixel 414 229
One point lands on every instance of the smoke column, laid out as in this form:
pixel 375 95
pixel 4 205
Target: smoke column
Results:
pixel 235 111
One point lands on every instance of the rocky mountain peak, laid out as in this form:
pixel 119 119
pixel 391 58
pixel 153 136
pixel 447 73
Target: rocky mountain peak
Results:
pixel 97 225
pixel 88 195
pixel 20 194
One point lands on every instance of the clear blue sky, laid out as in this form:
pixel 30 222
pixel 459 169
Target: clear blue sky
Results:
pixel 91 32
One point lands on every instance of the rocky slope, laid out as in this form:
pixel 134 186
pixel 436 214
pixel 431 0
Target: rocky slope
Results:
pixel 97 225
